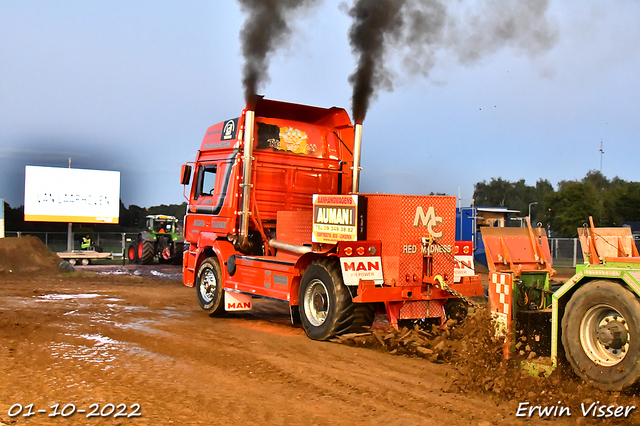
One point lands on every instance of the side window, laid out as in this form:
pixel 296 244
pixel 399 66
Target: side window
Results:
pixel 206 180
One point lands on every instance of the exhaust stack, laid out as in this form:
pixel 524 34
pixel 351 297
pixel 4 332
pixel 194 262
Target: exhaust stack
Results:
pixel 247 161
pixel 357 141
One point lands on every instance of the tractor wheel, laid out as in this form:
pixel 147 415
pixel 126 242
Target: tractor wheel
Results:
pixel 601 334
pixel 326 308
pixel 145 252
pixel 132 254
pixel 209 287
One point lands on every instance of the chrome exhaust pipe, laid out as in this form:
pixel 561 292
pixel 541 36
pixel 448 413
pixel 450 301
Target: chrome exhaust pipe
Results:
pixel 292 248
pixel 247 161
pixel 357 142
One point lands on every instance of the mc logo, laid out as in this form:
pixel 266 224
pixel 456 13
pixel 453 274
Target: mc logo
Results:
pixel 429 220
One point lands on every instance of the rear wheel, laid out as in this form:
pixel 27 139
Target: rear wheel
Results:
pixel 600 334
pixel 326 308
pixel 145 252
pixel 209 287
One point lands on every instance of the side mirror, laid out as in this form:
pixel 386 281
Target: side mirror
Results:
pixel 185 177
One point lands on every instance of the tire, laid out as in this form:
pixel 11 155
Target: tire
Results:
pixel 325 305
pixel 132 254
pixel 601 334
pixel 85 262
pixel 145 252
pixel 209 287
pixel 72 262
pixel 456 309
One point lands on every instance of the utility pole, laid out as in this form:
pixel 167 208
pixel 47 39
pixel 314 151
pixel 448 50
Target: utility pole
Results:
pixel 601 154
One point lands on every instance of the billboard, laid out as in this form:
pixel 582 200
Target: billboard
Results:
pixel 55 194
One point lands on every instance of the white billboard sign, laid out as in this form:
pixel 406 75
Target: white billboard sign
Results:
pixel 55 194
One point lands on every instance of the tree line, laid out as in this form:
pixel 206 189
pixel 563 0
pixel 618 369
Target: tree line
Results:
pixel 614 202
pixel 132 219
pixel 610 202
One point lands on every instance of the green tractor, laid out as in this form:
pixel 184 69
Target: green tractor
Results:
pixel 160 240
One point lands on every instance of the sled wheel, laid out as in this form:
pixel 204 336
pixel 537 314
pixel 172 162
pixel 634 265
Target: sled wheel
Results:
pixel 85 262
pixel 72 262
pixel 209 287
pixel 600 334
pixel 326 308
pixel 456 309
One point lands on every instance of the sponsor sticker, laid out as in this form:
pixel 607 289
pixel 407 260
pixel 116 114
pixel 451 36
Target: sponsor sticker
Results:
pixel 334 218
pixel 355 269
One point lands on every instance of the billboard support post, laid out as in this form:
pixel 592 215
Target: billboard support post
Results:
pixel 69 238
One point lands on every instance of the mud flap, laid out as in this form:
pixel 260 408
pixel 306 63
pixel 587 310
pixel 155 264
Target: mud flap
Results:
pixel 237 301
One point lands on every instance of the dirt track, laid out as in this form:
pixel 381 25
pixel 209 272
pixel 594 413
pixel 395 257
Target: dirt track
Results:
pixel 90 338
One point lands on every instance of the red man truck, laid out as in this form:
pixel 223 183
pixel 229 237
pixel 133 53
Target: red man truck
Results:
pixel 275 211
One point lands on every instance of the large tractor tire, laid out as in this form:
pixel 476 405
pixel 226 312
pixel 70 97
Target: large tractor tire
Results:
pixel 132 253
pixel 326 308
pixel 601 334
pixel 209 287
pixel 145 252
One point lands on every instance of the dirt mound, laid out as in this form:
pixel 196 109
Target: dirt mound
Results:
pixel 26 255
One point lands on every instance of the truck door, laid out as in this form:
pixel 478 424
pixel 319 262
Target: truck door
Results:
pixel 211 208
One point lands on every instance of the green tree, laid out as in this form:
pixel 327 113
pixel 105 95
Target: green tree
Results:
pixel 570 207
pixel 514 195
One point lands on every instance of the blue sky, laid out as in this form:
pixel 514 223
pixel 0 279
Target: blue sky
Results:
pixel 132 87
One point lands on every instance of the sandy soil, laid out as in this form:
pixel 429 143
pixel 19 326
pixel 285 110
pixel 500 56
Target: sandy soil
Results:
pixel 107 336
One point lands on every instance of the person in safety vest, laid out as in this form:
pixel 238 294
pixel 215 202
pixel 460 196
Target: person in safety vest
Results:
pixel 86 242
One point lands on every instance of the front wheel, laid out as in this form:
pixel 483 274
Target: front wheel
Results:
pixel 132 254
pixel 326 308
pixel 601 334
pixel 209 287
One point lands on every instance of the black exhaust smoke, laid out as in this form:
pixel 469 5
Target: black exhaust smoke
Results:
pixel 374 21
pixel 412 32
pixel 265 29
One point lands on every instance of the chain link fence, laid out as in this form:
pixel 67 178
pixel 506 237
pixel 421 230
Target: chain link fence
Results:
pixel 565 252
pixel 110 242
